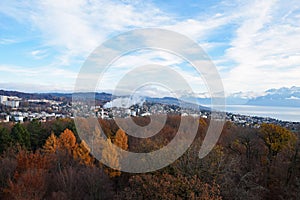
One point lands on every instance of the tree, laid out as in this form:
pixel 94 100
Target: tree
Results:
pixel 29 180
pixel 51 144
pixel 109 156
pixel 276 138
pixel 5 139
pixel 244 142
pixel 20 135
pixel 82 152
pixel 67 141
pixel 36 134
pixel 30 185
pixel 166 186
pixel 8 165
pixel 81 182
pixel 59 125
pixel 121 139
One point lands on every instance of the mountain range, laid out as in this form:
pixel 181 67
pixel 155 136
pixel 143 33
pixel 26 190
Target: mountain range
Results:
pixel 289 97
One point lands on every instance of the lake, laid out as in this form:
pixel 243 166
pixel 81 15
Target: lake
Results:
pixel 282 113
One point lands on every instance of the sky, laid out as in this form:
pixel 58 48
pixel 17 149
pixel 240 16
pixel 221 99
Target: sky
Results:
pixel 255 45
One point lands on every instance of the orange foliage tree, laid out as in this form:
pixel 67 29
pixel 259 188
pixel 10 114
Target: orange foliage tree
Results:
pixel 50 145
pixel 121 139
pixel 66 142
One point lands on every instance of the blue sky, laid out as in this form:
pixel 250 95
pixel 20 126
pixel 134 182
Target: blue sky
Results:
pixel 255 45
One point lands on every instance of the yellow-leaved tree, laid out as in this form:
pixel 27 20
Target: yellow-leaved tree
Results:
pixel 83 153
pixel 67 142
pixel 50 145
pixel 121 139
pixel 276 138
pixel 110 157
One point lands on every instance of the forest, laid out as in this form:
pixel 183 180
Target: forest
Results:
pixel 50 161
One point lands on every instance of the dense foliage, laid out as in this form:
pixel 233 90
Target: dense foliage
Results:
pixel 49 161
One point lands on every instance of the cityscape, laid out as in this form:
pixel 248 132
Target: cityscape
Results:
pixel 20 110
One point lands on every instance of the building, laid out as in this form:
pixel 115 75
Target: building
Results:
pixel 3 99
pixel 10 101
pixel 19 118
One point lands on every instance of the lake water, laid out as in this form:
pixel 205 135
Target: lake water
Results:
pixel 282 113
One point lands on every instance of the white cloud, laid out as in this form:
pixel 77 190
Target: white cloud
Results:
pixel 39 54
pixel 42 79
pixel 33 87
pixel 266 48
pixel 198 29
pixel 78 27
pixel 48 70
pixel 7 41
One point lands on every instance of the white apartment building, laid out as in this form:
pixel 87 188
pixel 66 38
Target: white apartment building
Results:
pixel 10 101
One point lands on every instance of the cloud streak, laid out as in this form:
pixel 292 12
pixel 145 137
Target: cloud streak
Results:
pixel 266 48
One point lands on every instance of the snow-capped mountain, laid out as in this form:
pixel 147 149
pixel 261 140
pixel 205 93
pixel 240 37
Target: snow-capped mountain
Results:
pixel 278 97
pixel 274 97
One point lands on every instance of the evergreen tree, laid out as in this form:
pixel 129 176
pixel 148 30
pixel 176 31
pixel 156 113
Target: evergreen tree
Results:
pixel 36 134
pixel 5 139
pixel 20 135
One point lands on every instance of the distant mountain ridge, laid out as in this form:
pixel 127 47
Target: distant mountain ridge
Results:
pixel 29 95
pixel 278 97
pixel 177 102
pixel 55 96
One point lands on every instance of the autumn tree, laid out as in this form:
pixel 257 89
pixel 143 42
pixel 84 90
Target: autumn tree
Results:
pixel 30 185
pixel 8 165
pixel 29 181
pixel 244 142
pixel 51 145
pixel 66 143
pixel 110 157
pixel 81 182
pixel 82 152
pixel 121 139
pixel 276 138
pixel 166 186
